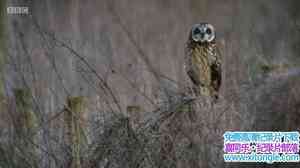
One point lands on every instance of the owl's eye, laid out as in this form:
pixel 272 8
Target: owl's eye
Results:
pixel 208 31
pixel 197 31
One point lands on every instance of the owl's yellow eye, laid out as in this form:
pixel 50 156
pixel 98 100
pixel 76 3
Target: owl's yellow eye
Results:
pixel 197 31
pixel 208 31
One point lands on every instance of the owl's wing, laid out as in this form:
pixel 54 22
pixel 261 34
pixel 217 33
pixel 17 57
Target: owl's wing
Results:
pixel 188 66
pixel 216 71
pixel 194 77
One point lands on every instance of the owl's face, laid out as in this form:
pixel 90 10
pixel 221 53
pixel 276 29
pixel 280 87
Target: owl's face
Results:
pixel 203 33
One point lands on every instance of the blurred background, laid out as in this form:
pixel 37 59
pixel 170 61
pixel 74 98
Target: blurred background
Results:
pixel 124 59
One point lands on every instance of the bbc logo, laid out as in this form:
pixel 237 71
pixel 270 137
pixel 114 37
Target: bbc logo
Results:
pixel 17 10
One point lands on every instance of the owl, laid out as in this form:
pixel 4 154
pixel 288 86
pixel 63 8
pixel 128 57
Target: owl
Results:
pixel 202 61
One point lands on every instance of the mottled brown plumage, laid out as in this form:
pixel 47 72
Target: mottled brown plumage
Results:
pixel 202 61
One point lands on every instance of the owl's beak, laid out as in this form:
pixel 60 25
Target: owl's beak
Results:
pixel 202 35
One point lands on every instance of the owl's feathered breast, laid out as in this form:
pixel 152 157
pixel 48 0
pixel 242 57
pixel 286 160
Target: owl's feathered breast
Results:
pixel 203 65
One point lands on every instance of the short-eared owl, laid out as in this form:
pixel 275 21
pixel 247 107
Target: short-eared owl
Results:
pixel 202 61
